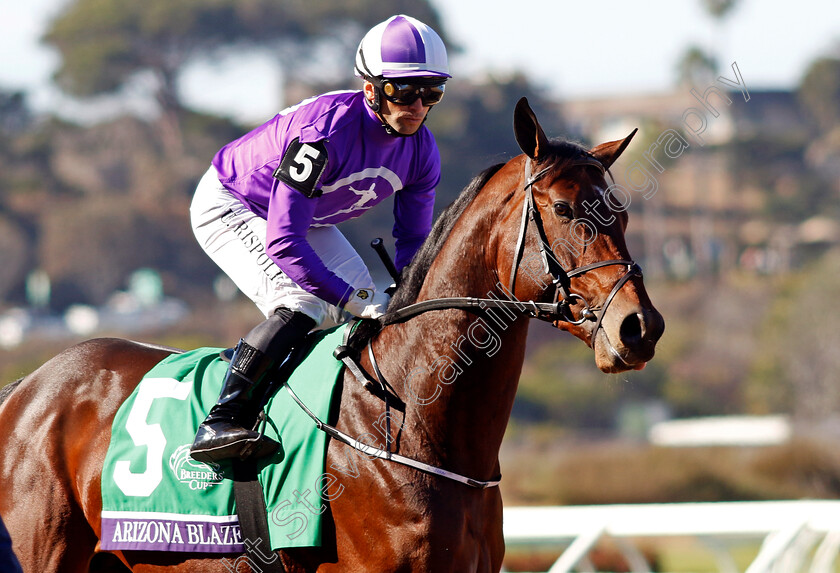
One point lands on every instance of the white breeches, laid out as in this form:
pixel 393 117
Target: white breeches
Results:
pixel 234 238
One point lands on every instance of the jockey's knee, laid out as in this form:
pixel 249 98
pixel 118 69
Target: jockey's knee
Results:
pixel 278 330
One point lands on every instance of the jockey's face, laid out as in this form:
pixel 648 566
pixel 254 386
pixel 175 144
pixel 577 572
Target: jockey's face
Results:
pixel 405 119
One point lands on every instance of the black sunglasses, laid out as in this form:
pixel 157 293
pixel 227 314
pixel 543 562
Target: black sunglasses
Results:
pixel 407 93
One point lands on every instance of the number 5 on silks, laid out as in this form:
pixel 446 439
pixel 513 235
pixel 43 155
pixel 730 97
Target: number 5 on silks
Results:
pixel 302 166
pixel 148 435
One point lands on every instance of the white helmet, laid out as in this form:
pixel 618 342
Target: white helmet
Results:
pixel 401 47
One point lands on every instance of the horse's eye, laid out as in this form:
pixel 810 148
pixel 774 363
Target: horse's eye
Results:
pixel 564 210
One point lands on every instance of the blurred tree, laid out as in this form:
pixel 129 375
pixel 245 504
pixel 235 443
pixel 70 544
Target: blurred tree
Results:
pixel 819 98
pixel 819 93
pixel 474 126
pixel 90 247
pixel 719 9
pixel 796 368
pixel 696 67
pixel 106 43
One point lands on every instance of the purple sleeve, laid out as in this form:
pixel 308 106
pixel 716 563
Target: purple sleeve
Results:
pixel 414 210
pixel 289 216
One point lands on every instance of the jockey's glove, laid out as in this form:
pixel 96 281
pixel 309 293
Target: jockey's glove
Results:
pixel 367 303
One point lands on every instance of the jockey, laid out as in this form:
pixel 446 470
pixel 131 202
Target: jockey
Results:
pixel 265 212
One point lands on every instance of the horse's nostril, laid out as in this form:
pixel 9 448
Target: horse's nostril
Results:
pixel 632 329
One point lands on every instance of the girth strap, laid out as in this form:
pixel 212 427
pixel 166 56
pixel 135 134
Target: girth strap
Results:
pixel 253 516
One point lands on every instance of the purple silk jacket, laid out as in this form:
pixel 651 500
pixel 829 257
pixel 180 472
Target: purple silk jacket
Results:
pixel 364 166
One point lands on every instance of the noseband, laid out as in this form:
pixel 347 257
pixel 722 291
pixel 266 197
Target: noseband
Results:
pixel 564 298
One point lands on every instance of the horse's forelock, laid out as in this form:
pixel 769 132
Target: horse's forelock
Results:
pixel 563 153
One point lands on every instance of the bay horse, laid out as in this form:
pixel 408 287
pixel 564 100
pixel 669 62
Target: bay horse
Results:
pixel 517 243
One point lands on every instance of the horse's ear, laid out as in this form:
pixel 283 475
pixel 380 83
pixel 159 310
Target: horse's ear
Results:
pixel 529 135
pixel 608 152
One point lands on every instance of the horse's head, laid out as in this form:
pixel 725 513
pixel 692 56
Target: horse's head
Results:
pixel 585 262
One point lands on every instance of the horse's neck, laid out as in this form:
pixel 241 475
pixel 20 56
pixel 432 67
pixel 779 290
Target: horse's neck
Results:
pixel 457 372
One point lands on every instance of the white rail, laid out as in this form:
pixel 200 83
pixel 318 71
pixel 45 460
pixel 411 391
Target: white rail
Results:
pixel 788 531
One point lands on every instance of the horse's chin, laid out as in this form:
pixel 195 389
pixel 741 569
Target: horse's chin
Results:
pixel 610 360
pixel 607 358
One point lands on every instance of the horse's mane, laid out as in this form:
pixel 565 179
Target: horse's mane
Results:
pixel 7 390
pixel 412 276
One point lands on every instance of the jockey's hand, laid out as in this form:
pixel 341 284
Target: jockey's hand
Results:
pixel 367 303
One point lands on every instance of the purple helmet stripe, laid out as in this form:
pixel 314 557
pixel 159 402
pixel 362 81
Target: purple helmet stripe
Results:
pixel 401 47
pixel 397 44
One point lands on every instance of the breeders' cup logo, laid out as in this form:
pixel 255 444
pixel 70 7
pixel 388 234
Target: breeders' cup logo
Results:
pixel 197 475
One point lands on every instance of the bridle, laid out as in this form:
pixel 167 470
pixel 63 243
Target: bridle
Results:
pixel 558 310
pixel 564 298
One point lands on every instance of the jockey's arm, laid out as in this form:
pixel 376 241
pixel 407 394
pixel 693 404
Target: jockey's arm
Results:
pixel 289 217
pixel 413 215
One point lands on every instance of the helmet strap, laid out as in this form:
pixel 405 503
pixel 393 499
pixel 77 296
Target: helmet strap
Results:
pixel 376 104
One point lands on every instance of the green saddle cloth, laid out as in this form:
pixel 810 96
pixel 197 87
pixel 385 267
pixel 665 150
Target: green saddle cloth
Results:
pixel 155 497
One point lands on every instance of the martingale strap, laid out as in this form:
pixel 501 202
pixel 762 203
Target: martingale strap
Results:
pixel 380 378
pixel 372 451
pixel 347 355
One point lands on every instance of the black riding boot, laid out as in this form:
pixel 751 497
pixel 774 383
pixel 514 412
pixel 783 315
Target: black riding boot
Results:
pixel 226 432
pixel 222 434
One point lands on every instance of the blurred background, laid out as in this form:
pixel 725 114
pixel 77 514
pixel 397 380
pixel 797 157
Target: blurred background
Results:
pixel 110 111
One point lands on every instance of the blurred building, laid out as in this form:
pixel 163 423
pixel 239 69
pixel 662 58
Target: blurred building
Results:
pixel 701 172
